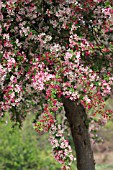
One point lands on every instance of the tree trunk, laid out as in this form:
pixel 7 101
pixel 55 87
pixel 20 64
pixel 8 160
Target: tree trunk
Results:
pixel 78 121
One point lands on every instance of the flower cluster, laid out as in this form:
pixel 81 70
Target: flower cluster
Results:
pixel 61 149
pixel 44 123
pixel 37 75
pixel 12 97
pixel 85 84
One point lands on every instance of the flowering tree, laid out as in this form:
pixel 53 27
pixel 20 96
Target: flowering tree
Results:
pixel 57 57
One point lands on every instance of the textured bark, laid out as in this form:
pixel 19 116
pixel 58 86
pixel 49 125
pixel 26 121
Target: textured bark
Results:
pixel 78 121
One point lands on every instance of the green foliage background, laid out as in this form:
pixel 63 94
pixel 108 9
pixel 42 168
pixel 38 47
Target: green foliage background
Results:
pixel 24 149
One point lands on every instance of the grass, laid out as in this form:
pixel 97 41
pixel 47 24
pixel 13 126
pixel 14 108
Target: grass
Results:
pixel 101 167
pixel 104 167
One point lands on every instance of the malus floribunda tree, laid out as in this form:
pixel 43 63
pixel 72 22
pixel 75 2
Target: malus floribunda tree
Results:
pixel 56 56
